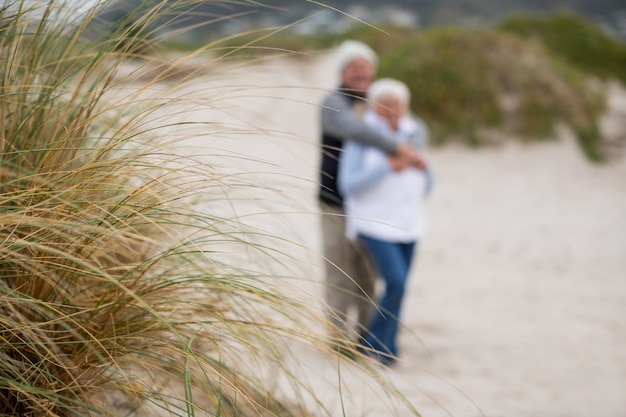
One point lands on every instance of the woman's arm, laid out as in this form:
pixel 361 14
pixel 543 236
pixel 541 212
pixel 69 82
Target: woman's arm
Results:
pixel 353 176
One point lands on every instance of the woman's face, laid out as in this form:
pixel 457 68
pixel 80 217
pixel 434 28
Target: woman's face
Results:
pixel 391 109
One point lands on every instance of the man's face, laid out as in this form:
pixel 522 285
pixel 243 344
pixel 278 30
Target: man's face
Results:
pixel 357 75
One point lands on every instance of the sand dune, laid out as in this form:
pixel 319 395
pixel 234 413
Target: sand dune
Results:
pixel 517 303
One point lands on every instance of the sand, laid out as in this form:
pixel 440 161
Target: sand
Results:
pixel 517 302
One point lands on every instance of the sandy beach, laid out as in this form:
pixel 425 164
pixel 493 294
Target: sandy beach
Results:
pixel 517 302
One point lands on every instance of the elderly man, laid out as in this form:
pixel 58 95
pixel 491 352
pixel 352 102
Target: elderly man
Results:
pixel 349 276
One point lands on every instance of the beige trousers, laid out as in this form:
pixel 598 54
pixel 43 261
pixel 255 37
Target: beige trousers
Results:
pixel 350 279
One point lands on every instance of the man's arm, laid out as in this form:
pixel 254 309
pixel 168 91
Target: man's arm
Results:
pixel 339 120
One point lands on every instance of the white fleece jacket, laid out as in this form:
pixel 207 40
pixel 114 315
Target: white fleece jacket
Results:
pixel 380 203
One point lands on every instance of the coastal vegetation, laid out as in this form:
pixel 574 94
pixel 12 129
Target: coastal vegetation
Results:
pixel 114 297
pixel 521 79
pixel 117 293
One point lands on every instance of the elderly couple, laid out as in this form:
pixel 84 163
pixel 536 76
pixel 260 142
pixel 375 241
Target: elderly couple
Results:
pixel 373 183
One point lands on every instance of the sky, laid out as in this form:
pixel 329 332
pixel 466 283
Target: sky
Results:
pixel 66 7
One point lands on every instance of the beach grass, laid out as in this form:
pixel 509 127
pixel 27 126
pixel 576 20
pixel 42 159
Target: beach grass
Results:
pixel 115 297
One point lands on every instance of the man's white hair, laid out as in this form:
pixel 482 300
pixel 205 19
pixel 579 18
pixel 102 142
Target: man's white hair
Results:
pixel 350 50
pixel 389 87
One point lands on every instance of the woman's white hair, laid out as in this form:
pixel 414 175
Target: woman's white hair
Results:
pixel 388 87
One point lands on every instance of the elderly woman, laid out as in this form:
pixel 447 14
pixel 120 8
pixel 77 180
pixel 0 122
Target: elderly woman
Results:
pixel 384 203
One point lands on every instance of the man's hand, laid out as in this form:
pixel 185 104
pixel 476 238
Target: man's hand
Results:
pixel 399 162
pixel 406 156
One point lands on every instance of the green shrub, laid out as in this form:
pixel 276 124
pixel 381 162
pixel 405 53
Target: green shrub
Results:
pixel 444 73
pixel 464 81
pixel 575 40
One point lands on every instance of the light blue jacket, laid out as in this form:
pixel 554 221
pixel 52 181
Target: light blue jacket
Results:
pixel 354 178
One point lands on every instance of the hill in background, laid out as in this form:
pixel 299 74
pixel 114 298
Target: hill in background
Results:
pixel 220 17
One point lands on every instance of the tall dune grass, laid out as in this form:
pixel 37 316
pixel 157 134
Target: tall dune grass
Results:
pixel 113 300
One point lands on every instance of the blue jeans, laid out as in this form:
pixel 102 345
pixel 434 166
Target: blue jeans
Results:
pixel 393 261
